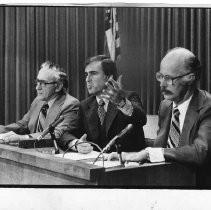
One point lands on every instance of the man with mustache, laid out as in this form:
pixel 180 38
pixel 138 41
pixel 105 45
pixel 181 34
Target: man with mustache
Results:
pixel 184 133
pixel 51 102
pixel 107 110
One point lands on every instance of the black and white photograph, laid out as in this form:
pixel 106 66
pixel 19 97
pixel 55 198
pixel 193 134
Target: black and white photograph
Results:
pixel 105 104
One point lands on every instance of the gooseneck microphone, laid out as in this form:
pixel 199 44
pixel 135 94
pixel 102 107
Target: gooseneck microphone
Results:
pixel 124 132
pixel 52 125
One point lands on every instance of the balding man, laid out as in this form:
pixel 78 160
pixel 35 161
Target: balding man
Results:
pixel 184 133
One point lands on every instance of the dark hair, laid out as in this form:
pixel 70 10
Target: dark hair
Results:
pixel 108 66
pixel 59 73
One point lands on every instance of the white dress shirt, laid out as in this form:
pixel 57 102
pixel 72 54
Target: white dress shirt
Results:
pixel 127 109
pixel 156 154
pixel 106 103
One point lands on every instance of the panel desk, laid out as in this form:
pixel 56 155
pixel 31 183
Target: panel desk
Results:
pixel 20 166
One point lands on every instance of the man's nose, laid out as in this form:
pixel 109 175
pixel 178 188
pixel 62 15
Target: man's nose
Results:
pixel 88 78
pixel 38 86
pixel 163 83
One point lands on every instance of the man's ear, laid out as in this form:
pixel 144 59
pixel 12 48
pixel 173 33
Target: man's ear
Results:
pixel 189 79
pixel 59 87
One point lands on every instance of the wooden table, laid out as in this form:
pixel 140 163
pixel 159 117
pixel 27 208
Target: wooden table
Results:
pixel 29 167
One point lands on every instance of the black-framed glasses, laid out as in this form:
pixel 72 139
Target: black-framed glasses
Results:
pixel 43 83
pixel 169 80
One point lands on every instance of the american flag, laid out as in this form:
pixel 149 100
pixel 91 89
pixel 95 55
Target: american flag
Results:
pixel 112 39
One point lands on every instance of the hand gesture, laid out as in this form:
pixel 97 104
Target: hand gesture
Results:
pixel 113 91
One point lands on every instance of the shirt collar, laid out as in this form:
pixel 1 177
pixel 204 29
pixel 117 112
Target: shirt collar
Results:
pixel 51 101
pixel 105 100
pixel 183 105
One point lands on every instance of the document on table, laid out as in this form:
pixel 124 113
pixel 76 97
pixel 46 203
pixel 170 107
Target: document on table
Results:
pixel 79 156
pixel 107 164
pixel 91 155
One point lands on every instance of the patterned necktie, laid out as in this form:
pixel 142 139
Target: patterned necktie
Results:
pixel 174 133
pixel 101 111
pixel 42 116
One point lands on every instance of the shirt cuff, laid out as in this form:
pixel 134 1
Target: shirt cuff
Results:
pixel 155 154
pixel 127 109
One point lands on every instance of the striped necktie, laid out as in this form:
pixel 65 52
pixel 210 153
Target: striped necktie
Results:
pixel 42 116
pixel 174 133
pixel 101 111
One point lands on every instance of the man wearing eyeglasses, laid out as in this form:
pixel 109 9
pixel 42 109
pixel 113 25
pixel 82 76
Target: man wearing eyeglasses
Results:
pixel 51 102
pixel 184 133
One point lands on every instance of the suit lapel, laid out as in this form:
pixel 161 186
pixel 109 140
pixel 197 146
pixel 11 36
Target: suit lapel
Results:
pixel 191 116
pixel 110 115
pixel 164 130
pixel 92 117
pixel 190 119
pixel 54 110
pixel 35 115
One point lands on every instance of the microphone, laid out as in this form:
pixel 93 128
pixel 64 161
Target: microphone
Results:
pixel 124 132
pixel 52 125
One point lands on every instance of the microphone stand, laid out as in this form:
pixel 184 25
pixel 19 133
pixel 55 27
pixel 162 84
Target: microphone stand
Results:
pixel 53 137
pixel 98 158
pixel 119 152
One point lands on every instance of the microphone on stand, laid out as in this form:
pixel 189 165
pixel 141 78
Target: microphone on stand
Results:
pixel 51 126
pixel 124 132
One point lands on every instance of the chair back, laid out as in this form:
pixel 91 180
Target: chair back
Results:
pixel 150 129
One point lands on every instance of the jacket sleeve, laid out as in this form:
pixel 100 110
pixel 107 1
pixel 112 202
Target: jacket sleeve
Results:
pixel 69 110
pixel 20 127
pixel 138 115
pixel 199 149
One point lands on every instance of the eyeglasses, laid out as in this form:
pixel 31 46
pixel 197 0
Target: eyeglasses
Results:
pixel 43 83
pixel 169 80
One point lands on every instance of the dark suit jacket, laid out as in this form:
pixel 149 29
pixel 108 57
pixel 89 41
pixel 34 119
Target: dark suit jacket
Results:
pixel 65 105
pixel 115 122
pixel 195 143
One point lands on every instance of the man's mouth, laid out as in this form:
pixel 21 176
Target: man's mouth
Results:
pixel 89 86
pixel 165 92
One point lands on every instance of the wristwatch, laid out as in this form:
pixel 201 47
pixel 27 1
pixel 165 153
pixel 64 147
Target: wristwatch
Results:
pixel 122 103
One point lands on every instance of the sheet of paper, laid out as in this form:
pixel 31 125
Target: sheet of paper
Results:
pixel 107 164
pixel 93 154
pixel 78 156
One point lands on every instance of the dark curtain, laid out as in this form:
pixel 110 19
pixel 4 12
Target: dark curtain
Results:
pixel 31 35
pixel 68 35
pixel 147 33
